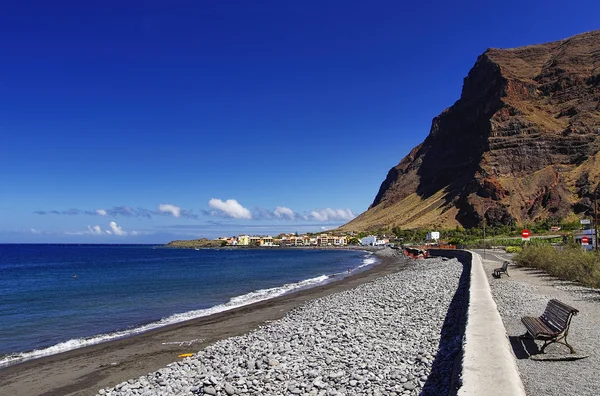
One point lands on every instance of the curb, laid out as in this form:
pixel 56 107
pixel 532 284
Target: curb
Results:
pixel 488 367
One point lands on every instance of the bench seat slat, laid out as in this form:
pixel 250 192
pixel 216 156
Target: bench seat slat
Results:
pixel 557 311
pixel 537 328
pixel 561 305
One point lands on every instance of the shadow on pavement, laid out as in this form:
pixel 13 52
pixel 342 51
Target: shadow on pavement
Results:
pixel 523 348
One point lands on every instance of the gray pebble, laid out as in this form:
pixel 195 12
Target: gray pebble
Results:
pixel 209 390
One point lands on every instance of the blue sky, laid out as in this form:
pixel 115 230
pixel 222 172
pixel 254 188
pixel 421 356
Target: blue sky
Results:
pixel 133 122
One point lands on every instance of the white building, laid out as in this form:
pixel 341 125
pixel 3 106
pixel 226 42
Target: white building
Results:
pixel 433 236
pixel 369 240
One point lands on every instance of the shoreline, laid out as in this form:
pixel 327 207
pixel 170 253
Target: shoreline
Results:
pixel 87 369
pixel 181 317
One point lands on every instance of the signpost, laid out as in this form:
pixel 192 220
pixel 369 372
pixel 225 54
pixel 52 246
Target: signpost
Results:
pixel 525 235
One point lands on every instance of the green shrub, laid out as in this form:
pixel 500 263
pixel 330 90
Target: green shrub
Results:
pixel 513 249
pixel 456 241
pixel 508 242
pixel 569 263
pixel 538 242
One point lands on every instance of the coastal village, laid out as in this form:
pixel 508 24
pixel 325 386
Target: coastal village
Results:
pixel 295 240
pixel 321 240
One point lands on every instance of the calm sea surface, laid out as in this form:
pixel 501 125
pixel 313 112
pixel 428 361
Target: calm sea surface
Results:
pixel 55 298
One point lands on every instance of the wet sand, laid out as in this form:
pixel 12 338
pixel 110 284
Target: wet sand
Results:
pixel 84 371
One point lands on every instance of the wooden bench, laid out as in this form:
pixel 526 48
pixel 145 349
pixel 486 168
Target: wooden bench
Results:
pixel 502 270
pixel 552 326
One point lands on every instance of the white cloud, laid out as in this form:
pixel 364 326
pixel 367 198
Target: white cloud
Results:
pixel 168 208
pixel 329 214
pixel 282 211
pixel 101 212
pixel 230 208
pixel 34 231
pixel 95 230
pixel 117 230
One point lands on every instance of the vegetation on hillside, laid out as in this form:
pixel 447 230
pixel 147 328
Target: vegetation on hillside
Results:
pixel 499 235
pixel 195 243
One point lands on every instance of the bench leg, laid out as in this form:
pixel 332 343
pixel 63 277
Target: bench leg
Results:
pixel 560 341
pixel 566 343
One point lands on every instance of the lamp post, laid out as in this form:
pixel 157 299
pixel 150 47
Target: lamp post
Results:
pixel 484 210
pixel 484 235
pixel 595 220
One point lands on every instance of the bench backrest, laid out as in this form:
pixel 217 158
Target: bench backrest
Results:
pixel 557 315
pixel 505 266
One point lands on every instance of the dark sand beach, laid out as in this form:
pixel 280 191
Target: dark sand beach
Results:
pixel 84 371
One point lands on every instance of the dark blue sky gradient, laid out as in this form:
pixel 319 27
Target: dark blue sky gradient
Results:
pixel 303 105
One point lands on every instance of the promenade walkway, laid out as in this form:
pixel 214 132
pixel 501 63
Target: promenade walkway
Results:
pixel 526 292
pixel 488 367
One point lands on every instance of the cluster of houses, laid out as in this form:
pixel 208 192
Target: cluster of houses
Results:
pixel 287 240
pixel 320 240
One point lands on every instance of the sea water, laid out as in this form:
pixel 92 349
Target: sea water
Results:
pixel 54 298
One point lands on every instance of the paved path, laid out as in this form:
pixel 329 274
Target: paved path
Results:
pixel 526 292
pixel 481 364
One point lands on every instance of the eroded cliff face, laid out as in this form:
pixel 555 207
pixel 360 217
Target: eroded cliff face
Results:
pixel 521 144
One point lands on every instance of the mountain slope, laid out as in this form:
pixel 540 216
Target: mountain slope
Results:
pixel 521 144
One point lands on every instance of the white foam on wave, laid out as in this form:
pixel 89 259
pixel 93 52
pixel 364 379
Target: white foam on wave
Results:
pixel 370 260
pixel 235 302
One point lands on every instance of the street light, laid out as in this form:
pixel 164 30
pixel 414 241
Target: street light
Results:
pixel 484 211
pixel 596 218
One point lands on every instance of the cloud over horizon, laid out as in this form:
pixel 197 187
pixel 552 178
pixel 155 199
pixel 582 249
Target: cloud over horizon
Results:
pixel 286 214
pixel 95 230
pixel 283 212
pixel 117 230
pixel 230 208
pixel 169 208
pixel 126 211
pixel 329 214
pixel 113 229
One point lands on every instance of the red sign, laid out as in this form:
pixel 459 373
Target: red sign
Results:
pixel 525 233
pixel 584 240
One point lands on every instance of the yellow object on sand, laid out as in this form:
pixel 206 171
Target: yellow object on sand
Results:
pixel 186 355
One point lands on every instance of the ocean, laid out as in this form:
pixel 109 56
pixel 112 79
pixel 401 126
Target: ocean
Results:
pixel 55 298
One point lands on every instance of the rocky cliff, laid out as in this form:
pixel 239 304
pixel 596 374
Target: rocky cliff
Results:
pixel 521 144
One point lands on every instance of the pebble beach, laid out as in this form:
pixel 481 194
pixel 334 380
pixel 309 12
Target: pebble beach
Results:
pixel 393 335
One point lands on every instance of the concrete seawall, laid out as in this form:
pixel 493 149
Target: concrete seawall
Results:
pixel 488 365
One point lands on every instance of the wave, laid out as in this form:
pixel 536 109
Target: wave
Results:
pixel 369 260
pixel 235 302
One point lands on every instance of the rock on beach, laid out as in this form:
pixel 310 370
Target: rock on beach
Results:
pixel 380 338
